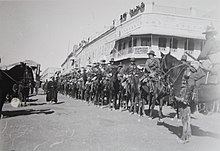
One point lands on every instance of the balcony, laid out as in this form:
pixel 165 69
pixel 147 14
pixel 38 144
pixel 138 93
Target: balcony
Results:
pixel 136 52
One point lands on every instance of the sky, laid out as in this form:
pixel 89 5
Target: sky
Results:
pixel 46 30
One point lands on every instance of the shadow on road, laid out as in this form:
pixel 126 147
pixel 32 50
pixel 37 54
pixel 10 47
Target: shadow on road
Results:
pixel 32 100
pixel 156 114
pixel 196 131
pixel 35 104
pixel 60 102
pixel 26 112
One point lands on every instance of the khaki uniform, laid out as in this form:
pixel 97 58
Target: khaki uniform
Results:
pixel 152 65
pixel 209 48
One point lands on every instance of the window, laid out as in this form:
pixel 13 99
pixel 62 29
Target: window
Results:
pixel 162 42
pixel 189 44
pixel 124 45
pixel 145 42
pixel 173 43
pixel 130 43
pixel 119 46
pixel 135 42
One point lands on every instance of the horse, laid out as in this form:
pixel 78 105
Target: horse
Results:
pixel 133 85
pixel 114 90
pixel 122 95
pixel 174 69
pixel 160 91
pixel 15 81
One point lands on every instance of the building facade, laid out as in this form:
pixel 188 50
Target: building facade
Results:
pixel 48 73
pixel 69 64
pixel 148 27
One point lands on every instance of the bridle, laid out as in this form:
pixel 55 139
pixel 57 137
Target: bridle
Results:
pixel 174 67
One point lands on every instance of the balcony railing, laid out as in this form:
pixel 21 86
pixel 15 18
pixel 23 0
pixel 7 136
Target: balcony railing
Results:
pixel 137 52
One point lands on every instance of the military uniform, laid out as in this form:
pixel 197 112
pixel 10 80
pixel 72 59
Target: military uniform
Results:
pixel 199 75
pixel 152 68
pixel 209 48
pixel 152 65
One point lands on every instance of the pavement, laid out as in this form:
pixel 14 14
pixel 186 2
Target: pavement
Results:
pixel 73 125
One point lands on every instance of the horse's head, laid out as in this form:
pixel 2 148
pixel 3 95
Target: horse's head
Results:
pixel 168 61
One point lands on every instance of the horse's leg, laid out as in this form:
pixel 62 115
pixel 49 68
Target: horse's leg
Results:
pixel 149 97
pixel 2 101
pixel 132 103
pixel 116 100
pixel 161 100
pixel 119 101
pixel 110 99
pixel 141 106
pixel 153 104
pixel 189 133
pixel 102 98
pixel 177 109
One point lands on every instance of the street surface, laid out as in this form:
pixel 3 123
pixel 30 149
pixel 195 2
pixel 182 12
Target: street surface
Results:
pixel 72 125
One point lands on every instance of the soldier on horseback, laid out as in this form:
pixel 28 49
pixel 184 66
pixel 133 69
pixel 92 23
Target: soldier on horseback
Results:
pixel 132 73
pixel 206 66
pixel 113 71
pixel 152 67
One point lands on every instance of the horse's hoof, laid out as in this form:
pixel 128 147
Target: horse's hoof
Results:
pixel 183 141
pixel 150 118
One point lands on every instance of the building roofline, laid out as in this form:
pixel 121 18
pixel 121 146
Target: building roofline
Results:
pixel 100 36
pixel 69 56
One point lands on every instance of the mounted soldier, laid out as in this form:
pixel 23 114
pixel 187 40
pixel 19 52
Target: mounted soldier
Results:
pixel 207 65
pixel 132 73
pixel 112 71
pixel 152 68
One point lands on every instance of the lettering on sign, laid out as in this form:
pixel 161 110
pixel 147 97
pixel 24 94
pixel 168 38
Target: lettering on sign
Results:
pixel 141 50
